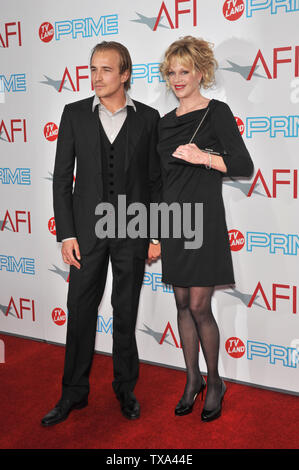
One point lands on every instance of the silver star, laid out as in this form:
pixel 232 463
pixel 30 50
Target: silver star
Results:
pixel 155 334
pixel 60 272
pixel 243 70
pixel 245 298
pixel 149 21
pixel 54 83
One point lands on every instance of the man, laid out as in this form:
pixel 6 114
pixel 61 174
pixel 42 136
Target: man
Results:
pixel 112 140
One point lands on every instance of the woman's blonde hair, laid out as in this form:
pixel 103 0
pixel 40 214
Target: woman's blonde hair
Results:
pixel 194 53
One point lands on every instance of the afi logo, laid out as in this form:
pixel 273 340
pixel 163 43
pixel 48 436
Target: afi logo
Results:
pixel 51 131
pixel 233 9
pixel 75 81
pixel 236 240
pixel 190 9
pixel 10 29
pixel 52 226
pixel 235 347
pixel 20 306
pixel 14 219
pixel 58 316
pixel 46 32
pixel 278 291
pixel 10 128
pixel 280 56
pixel 280 177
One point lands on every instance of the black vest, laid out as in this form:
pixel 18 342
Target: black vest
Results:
pixel 113 164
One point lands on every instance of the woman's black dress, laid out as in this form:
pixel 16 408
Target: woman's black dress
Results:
pixel 183 182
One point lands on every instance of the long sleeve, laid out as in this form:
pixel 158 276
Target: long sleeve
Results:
pixel 236 158
pixel 63 179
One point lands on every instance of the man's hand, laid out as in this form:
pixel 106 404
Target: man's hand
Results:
pixel 67 250
pixel 154 252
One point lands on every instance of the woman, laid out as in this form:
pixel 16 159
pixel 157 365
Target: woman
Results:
pixel 192 172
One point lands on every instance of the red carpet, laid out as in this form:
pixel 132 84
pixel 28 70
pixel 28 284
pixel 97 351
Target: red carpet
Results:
pixel 30 386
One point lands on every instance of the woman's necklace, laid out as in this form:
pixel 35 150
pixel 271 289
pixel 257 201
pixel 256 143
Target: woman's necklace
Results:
pixel 194 107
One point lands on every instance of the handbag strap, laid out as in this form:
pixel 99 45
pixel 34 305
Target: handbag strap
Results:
pixel 199 125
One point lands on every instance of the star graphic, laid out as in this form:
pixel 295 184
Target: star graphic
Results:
pixel 149 21
pixel 243 187
pixel 245 298
pixel 60 272
pixel 3 308
pixel 1 225
pixel 54 83
pixel 50 178
pixel 243 70
pixel 155 334
pixel 1 138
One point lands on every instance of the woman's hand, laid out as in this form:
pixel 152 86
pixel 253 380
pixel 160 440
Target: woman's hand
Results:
pixel 192 154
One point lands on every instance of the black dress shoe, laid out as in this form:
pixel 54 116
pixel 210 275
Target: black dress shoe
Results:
pixel 184 408
pixel 129 405
pixel 61 411
pixel 210 415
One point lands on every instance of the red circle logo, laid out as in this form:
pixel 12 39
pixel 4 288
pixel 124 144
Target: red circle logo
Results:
pixel 58 316
pixel 233 9
pixel 52 226
pixel 235 347
pixel 236 240
pixel 240 125
pixel 51 131
pixel 46 32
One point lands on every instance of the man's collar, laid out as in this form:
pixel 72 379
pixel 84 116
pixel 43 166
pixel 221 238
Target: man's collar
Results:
pixel 129 102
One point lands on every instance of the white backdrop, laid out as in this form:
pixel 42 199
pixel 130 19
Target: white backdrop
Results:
pixel 45 50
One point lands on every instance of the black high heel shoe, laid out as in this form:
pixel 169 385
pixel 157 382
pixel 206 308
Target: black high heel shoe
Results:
pixel 210 415
pixel 183 408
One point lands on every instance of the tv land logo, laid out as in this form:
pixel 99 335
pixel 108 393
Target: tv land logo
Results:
pixel 240 125
pixel 19 176
pixel 287 356
pixel 9 128
pixel 20 308
pixel 236 240
pixel 235 347
pixel 52 226
pixel 79 27
pixel 10 34
pixel 234 9
pixel 51 131
pixel 169 13
pixel 59 317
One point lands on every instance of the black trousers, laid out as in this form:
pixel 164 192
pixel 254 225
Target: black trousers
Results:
pixel 86 288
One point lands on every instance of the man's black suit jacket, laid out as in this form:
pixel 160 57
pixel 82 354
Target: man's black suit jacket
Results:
pixel 79 147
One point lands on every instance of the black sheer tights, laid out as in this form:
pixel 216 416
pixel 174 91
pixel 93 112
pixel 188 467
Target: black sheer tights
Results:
pixel 196 324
